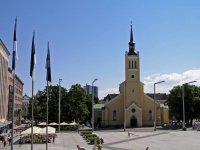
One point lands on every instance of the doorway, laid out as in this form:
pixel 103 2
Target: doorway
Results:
pixel 133 122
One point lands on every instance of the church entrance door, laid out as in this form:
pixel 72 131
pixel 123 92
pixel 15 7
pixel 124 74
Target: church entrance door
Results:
pixel 133 122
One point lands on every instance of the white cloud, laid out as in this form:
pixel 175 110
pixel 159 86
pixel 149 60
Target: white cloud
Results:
pixel 172 80
pixel 104 93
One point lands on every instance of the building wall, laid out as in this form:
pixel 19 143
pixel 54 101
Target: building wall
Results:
pixel 18 97
pixel 25 105
pixel 4 53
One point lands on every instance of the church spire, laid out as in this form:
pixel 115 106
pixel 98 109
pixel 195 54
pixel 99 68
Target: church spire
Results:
pixel 131 36
pixel 131 44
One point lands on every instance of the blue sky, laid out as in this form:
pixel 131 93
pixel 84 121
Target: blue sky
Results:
pixel 88 40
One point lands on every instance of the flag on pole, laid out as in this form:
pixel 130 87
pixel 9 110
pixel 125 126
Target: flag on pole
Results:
pixel 48 65
pixel 33 58
pixel 14 47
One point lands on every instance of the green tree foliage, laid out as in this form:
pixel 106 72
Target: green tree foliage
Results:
pixel 191 99
pixel 75 104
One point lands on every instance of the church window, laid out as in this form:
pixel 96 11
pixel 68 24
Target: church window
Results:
pixel 132 64
pixel 150 115
pixel 129 64
pixel 114 115
pixel 132 76
pixel 135 64
pixel 133 110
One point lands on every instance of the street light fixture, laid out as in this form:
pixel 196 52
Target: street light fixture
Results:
pixel 155 104
pixel 59 107
pixel 184 128
pixel 93 104
pixel 125 104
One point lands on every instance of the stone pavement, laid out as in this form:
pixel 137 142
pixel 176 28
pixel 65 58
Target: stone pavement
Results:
pixel 119 140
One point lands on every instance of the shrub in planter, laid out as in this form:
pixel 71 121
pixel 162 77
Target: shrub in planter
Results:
pixel 86 132
pixel 92 139
pixel 90 135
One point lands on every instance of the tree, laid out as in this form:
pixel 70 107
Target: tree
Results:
pixel 75 104
pixel 191 99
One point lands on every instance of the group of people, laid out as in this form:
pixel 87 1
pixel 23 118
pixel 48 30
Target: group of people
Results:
pixel 98 145
pixel 5 140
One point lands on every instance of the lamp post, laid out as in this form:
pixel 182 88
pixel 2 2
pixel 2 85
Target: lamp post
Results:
pixel 59 107
pixel 155 104
pixel 93 104
pixel 125 104
pixel 184 128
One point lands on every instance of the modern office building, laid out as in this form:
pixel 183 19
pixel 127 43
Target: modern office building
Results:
pixel 4 54
pixel 18 97
pixel 88 89
pixel 25 105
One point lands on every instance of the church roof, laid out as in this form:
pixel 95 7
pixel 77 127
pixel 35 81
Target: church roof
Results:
pixel 159 96
pixel 110 96
pixel 98 106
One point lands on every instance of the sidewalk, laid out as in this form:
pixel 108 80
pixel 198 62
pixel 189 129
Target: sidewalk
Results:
pixel 119 140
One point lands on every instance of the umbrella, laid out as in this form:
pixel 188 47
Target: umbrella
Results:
pixel 73 123
pixel 42 124
pixel 28 131
pixel 53 124
pixel 64 123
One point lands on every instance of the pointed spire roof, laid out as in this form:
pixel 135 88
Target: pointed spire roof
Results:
pixel 131 36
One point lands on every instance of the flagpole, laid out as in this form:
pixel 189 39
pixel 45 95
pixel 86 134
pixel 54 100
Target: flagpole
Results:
pixel 32 74
pixel 13 72
pixel 13 110
pixel 47 118
pixel 32 115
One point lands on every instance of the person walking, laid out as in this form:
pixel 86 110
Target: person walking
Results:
pixel 9 141
pixel 129 134
pixel 4 143
pixel 99 146
pixel 53 138
pixel 80 148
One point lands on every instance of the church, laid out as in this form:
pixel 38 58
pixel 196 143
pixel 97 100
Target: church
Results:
pixel 131 107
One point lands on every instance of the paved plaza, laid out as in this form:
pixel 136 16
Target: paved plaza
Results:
pixel 140 139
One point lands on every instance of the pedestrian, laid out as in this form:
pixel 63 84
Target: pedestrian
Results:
pixel 102 141
pixel 80 148
pixel 9 141
pixel 129 134
pixel 4 143
pixel 99 146
pixel 147 148
pixel 53 138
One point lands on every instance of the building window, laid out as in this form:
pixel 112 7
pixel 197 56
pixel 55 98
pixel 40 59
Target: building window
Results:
pixel 129 64
pixel 150 115
pixel 135 64
pixel 132 64
pixel 114 115
pixel 132 76
pixel 133 110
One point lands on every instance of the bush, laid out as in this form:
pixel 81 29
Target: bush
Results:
pixel 92 139
pixel 86 132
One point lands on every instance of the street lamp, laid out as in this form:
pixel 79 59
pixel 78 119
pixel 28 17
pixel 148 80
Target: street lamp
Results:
pixel 125 104
pixel 184 129
pixel 155 104
pixel 59 107
pixel 93 104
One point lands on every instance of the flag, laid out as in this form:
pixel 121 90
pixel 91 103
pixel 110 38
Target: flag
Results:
pixel 14 47
pixel 48 65
pixel 33 57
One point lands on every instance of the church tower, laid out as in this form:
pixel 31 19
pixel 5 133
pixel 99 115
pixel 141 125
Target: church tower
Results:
pixel 132 75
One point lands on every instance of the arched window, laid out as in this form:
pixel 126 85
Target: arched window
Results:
pixel 135 64
pixel 132 65
pixel 150 115
pixel 114 115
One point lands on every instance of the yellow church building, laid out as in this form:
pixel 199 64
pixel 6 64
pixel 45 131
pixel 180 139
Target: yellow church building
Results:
pixel 131 107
